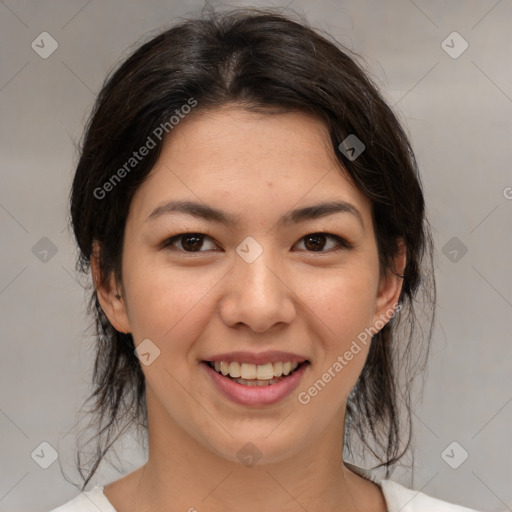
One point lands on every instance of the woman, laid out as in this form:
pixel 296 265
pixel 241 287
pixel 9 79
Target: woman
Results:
pixel 252 216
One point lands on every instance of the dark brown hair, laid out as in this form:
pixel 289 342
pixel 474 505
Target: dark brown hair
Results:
pixel 264 61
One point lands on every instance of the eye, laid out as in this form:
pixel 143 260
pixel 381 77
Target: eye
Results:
pixel 316 242
pixel 189 242
pixel 313 242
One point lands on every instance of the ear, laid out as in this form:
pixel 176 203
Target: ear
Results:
pixel 110 294
pixel 390 287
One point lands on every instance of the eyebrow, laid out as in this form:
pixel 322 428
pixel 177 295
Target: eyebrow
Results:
pixel 205 212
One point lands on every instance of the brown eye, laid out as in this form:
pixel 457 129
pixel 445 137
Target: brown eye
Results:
pixel 316 242
pixel 187 242
pixel 192 242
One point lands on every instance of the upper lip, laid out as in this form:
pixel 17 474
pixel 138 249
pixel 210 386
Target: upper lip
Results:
pixel 272 356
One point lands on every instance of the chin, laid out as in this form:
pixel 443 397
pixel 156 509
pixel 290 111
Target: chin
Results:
pixel 257 450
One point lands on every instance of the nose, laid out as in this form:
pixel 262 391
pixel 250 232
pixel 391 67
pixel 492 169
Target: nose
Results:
pixel 257 295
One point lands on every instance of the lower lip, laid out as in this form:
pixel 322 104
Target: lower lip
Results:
pixel 256 395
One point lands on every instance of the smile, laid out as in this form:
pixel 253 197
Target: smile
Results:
pixel 255 384
pixel 254 374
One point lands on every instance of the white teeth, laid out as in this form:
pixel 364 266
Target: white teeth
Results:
pixel 264 371
pixel 248 371
pixel 252 372
pixel 258 383
pixel 234 370
pixel 224 368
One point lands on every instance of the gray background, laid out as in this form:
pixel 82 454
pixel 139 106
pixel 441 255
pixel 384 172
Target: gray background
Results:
pixel 458 112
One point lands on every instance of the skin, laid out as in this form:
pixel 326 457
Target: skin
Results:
pixel 192 305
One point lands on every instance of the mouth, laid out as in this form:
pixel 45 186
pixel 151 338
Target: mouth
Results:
pixel 255 385
pixel 260 375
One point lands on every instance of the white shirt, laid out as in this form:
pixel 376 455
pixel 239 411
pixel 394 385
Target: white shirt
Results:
pixel 398 498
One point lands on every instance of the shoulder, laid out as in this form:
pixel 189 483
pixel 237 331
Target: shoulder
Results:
pixel 88 501
pixel 400 498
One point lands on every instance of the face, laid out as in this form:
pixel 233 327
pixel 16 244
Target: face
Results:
pixel 261 277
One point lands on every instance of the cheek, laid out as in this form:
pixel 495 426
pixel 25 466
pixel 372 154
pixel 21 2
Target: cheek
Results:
pixel 342 309
pixel 164 302
pixel 343 300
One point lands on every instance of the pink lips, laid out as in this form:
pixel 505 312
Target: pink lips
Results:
pixel 256 395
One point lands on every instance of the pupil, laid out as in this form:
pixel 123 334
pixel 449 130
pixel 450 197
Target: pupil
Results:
pixel 318 242
pixel 196 244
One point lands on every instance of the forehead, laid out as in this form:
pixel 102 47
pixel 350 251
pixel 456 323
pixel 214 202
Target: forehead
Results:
pixel 247 162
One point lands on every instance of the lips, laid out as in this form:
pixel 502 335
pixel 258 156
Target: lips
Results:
pixel 255 391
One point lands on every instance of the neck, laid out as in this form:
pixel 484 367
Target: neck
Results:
pixel 183 475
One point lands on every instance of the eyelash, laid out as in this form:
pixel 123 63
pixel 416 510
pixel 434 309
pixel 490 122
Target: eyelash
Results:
pixel 344 245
